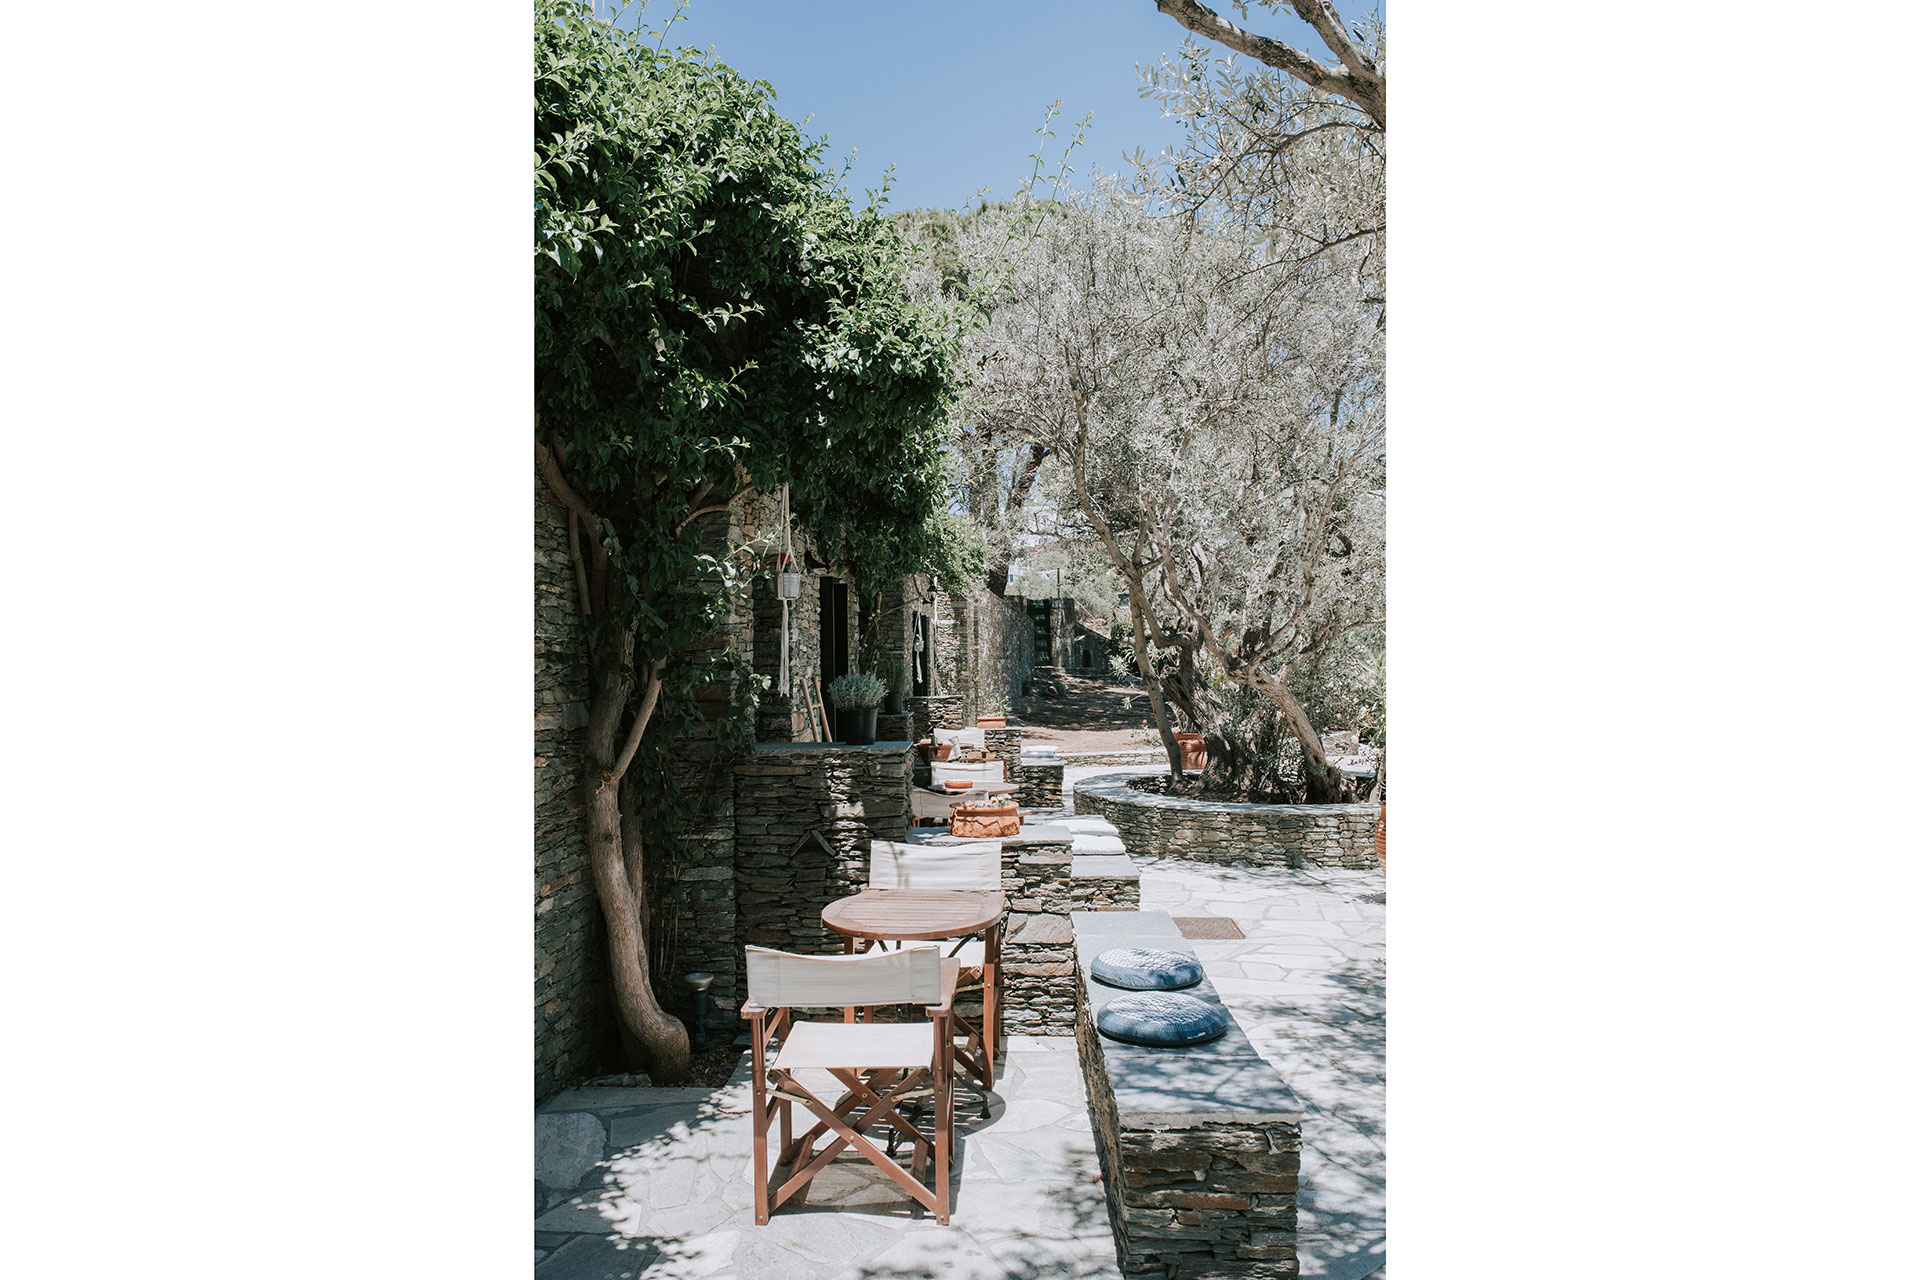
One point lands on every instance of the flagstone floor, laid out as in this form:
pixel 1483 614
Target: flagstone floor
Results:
pixel 654 1184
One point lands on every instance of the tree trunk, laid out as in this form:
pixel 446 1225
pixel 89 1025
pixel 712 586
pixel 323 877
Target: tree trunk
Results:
pixel 613 844
pixel 1322 779
pixel 618 870
pixel 1141 659
pixel 662 1034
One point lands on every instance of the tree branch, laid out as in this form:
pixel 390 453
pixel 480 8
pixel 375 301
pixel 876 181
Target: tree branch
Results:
pixel 1356 79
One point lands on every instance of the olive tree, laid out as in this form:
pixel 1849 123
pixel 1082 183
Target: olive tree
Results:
pixel 1226 453
pixel 711 319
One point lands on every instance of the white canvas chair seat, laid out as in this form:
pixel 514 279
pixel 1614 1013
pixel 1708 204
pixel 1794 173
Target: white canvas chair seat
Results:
pixel 811 1046
pixel 961 738
pixel 878 1064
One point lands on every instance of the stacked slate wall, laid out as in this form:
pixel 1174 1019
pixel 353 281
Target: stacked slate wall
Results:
pixel 1292 835
pixel 993 652
pixel 803 816
pixel 572 997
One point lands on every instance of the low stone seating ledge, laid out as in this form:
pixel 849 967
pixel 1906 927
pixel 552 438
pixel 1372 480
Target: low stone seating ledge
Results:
pixel 1199 1146
pixel 1104 866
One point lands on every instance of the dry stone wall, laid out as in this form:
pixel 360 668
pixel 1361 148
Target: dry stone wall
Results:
pixel 992 645
pixel 572 999
pixel 1295 835
pixel 804 814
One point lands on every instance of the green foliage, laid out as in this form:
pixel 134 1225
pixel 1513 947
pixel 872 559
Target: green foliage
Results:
pixel 893 670
pixel 711 317
pixel 708 311
pixel 857 689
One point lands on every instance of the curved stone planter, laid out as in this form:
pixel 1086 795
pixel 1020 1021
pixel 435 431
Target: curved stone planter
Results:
pixel 1300 835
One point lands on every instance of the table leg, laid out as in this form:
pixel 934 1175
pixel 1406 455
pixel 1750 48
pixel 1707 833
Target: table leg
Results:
pixel 847 945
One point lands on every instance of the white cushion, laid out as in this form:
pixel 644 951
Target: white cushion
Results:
pixel 812 1045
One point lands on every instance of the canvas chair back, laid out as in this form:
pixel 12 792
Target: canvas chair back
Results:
pixel 961 738
pixel 931 804
pixel 976 771
pixel 780 979
pixel 974 867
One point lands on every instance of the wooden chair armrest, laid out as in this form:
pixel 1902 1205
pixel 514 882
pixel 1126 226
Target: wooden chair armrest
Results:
pixel 949 983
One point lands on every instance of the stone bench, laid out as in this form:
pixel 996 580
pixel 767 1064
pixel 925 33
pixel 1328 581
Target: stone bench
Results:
pixel 1199 1146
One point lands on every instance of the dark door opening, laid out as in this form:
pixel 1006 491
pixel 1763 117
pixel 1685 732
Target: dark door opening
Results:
pixel 1042 632
pixel 834 630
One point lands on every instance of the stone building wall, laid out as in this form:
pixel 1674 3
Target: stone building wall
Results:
pixel 1087 651
pixel 572 996
pixel 992 643
pixel 1296 835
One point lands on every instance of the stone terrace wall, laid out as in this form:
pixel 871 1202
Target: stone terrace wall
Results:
pixel 804 815
pixel 1039 783
pixel 1320 835
pixel 572 999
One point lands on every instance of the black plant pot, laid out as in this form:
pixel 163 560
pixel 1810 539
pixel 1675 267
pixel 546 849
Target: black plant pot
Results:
pixel 857 724
pixel 896 704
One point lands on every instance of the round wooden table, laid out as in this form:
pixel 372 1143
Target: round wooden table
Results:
pixel 923 915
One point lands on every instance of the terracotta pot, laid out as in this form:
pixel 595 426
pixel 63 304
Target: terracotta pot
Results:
pixel 1193 751
pixel 925 748
pixel 953 785
pixel 943 751
pixel 991 722
pixel 991 823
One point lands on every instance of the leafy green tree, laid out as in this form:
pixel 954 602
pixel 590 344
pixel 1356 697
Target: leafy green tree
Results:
pixel 712 319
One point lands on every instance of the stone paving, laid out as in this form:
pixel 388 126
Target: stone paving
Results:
pixel 654 1184
pixel 657 1183
pixel 1308 986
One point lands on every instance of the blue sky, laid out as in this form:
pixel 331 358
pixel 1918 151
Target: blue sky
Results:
pixel 950 94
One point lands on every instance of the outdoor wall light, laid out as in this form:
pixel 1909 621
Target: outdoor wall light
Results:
pixel 699 982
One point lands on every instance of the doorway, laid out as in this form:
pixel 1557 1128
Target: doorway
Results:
pixel 835 631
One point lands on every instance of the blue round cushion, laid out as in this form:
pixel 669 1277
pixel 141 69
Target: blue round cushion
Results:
pixel 1161 1019
pixel 1138 969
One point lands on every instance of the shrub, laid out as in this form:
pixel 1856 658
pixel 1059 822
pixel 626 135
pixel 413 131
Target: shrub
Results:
pixel 857 689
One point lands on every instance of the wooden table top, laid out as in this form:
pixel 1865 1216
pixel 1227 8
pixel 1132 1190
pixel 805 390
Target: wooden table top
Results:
pixel 913 914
